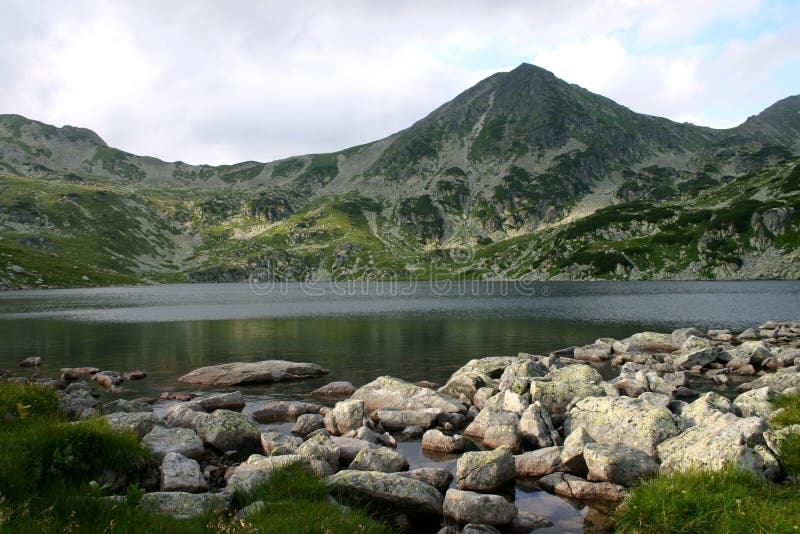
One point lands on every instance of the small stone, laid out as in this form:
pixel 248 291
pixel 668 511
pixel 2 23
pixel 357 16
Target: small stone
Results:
pixel 436 440
pixel 33 361
pixel 308 423
pixel 179 473
pixel 136 374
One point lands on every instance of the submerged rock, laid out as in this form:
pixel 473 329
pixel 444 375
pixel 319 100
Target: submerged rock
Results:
pixel 251 373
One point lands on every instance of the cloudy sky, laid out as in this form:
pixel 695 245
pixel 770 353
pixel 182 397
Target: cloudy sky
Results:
pixel 225 81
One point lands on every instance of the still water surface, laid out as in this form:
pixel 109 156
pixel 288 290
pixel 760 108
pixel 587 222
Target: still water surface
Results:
pixel 361 331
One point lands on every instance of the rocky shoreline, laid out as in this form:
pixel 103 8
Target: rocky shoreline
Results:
pixel 553 419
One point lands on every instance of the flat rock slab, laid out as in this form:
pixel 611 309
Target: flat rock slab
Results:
pixel 182 505
pixel 249 373
pixel 388 491
pixel 602 495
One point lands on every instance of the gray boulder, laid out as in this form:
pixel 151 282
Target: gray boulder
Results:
pixel 538 463
pixel 33 361
pixel 78 404
pixel 485 471
pixel 277 444
pixel 321 447
pixel 617 463
pixel 756 402
pixel 601 495
pixel 350 447
pixel 572 459
pixel 562 387
pixel 434 476
pixel 469 507
pixel 509 401
pixel 438 441
pixel 517 376
pixel 280 411
pixel 707 405
pixel 483 372
pixel 395 420
pixel 380 459
pixel 252 373
pixel 141 423
pixel 221 401
pixel 346 416
pixel 536 428
pixel 526 522
pixel 182 505
pixel 258 469
pixel 179 473
pixel 490 418
pixel 335 389
pixel 638 423
pixel 308 423
pixel 162 441
pixel 228 431
pixel 776 382
pixel 388 392
pixel 388 491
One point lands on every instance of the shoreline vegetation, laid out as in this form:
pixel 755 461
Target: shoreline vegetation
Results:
pixel 698 431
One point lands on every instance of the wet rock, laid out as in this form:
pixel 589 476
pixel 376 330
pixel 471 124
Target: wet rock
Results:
pixel 380 459
pixel 307 423
pixel 434 476
pixel 388 392
pixel 697 358
pixel 526 522
pixel 476 374
pixel 182 505
pixel 638 423
pixel 538 463
pixel 323 448
pixel 179 473
pixel 562 387
pixel 226 431
pixel 258 469
pixel 412 433
pixel 350 447
pixel 473 528
pixel 33 361
pixel 536 428
pixel 436 440
pixel 367 434
pixel 136 374
pixel 617 463
pixel 389 491
pixel 141 423
pixel 276 444
pixel 469 507
pixel 603 495
pixel 182 396
pixel 346 416
pixel 162 441
pixel 485 471
pixel 108 379
pixel 221 401
pixel 252 373
pixel 572 459
pixel 280 411
pixel 335 389
pixel 394 420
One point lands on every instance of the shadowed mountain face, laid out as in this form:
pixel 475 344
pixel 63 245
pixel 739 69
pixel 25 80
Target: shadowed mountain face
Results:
pixel 524 175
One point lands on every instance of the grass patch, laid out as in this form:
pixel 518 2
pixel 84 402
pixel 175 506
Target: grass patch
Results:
pixel 790 415
pixel 726 502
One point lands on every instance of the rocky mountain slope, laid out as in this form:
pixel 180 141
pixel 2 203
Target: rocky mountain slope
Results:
pixel 522 176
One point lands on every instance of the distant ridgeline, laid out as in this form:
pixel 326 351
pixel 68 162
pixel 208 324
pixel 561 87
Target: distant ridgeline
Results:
pixel 521 176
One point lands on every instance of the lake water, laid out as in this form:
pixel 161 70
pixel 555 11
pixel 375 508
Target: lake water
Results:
pixel 414 331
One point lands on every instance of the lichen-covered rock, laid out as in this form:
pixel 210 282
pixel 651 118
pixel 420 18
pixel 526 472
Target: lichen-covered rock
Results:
pixel 697 358
pixel 280 411
pixel 650 342
pixel 485 471
pixel 756 402
pixel 259 469
pixel 708 404
pixel 252 373
pixel 470 507
pixel 776 382
pixel 509 401
pixel 483 372
pixel 277 444
pixel 617 463
pixel 536 428
pixel 346 416
pixel 434 476
pixel 593 353
pixel 389 491
pixel 228 431
pixel 438 441
pixel 561 387
pixel 335 389
pixel 503 436
pixel 490 418
pixel 380 459
pixel 141 423
pixel 394 420
pixel 78 404
pixel 602 495
pixel 322 447
pixel 179 473
pixel 388 392
pixel 572 459
pixel 182 416
pixel 308 423
pixel 161 441
pixel 638 423
pixel 517 376
pixel 182 505
pixel 221 401
pixel 539 462
pixel 350 447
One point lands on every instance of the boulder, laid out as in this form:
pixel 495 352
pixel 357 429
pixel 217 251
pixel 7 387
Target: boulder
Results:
pixel 483 372
pixel 350 447
pixel 387 491
pixel 388 392
pixel 259 469
pixel 434 476
pixel 697 358
pixel 776 382
pixel 527 522
pixel 469 507
pixel 602 495
pixel 650 342
pixel 108 379
pixel 182 416
pixel 485 471
pixel 346 416
pixel 122 405
pixel 280 411
pixel 593 353
pixel 517 376
pixel 162 441
pixel 78 404
pixel 395 420
pixel 572 459
pixel 509 401
pixel 277 444
pixel 136 374
pixel 252 373
pixel 179 473
pixel 638 423
pixel 539 462
pixel 380 459
pixel 720 441
pixel 322 447
pixel 482 396
pixel 438 441
pixel 141 423
pixel 224 401
pixel 564 386
pixel 503 436
pixel 228 431
pixel 70 374
pixel 491 418
pixel 335 389
pixel 536 428
pixel 33 361
pixel 617 463
pixel 473 528
pixel 308 423
pixel 756 402
pixel 182 505
pixel 708 404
